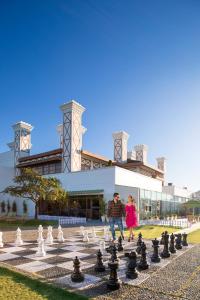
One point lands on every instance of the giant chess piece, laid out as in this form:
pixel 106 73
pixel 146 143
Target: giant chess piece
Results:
pixel 1 239
pixel 155 256
pixel 131 273
pixel 184 241
pixel 178 241
pixel 82 229
pixel 60 235
pixel 40 251
pixel 77 275
pixel 143 265
pixel 49 239
pixel 165 253
pixel 94 236
pixel 139 243
pixel 162 239
pixel 18 241
pixel 40 234
pixel 119 245
pixel 172 244
pixel 102 247
pixel 114 253
pixel 86 237
pixel 113 282
pixel 99 267
pixel 106 234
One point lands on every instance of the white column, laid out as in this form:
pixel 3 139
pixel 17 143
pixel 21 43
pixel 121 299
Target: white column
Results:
pixel 59 129
pixel 141 152
pixel 72 136
pixel 22 140
pixel 161 163
pixel 120 146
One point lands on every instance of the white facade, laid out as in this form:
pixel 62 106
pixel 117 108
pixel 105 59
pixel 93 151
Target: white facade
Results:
pixel 176 191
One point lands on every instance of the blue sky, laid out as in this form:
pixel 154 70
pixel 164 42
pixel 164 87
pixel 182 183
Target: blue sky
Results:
pixel 134 65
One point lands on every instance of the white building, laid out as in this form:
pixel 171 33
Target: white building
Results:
pixel 87 176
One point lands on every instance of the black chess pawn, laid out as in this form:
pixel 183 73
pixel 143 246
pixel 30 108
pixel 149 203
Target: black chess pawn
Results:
pixel 114 253
pixel 131 273
pixel 162 239
pixel 165 253
pixel 172 244
pixel 99 267
pixel 139 243
pixel 143 265
pixel 113 282
pixel 184 241
pixel 77 275
pixel 178 240
pixel 155 256
pixel 119 245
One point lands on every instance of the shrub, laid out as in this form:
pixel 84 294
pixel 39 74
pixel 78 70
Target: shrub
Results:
pixel 3 207
pixel 14 207
pixel 8 206
pixel 25 208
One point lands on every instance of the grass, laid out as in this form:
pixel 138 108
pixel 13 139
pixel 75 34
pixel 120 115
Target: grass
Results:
pixel 152 231
pixel 194 237
pixel 25 223
pixel 15 286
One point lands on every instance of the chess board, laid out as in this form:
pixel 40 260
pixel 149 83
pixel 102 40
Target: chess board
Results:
pixel 57 265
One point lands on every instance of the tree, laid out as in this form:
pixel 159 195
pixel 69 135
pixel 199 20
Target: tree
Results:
pixel 192 204
pixel 35 187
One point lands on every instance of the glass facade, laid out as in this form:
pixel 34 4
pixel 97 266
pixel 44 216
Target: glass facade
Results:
pixel 155 204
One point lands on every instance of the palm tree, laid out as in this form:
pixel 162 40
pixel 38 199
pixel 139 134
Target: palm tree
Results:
pixel 33 186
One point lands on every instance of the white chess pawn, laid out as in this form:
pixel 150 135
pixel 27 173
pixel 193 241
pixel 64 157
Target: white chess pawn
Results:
pixel 102 247
pixel 40 234
pixel 94 233
pixel 40 251
pixel 105 230
pixel 107 235
pixel 86 237
pixel 1 239
pixel 60 234
pixel 18 241
pixel 49 239
pixel 82 229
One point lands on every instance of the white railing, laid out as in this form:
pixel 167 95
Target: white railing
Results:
pixel 63 220
pixel 71 220
pixel 183 223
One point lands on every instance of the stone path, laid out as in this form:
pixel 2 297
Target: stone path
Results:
pixel 194 227
pixel 178 280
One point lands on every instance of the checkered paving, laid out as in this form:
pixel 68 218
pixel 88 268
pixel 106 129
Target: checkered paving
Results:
pixel 57 265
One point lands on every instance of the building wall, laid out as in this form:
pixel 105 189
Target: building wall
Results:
pixel 125 177
pixel 96 179
pixel 176 191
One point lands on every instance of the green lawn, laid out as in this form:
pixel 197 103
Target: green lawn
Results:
pixel 25 223
pixel 15 286
pixel 152 231
pixel 194 237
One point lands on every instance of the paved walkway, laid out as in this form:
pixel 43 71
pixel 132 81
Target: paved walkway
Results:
pixel 178 280
pixel 192 228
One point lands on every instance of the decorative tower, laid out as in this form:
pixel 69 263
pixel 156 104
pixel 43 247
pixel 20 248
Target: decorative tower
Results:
pixel 141 153
pixel 72 136
pixel 60 133
pixel 22 141
pixel 120 146
pixel 161 163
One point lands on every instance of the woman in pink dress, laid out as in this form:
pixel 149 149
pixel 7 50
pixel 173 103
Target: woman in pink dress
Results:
pixel 131 216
